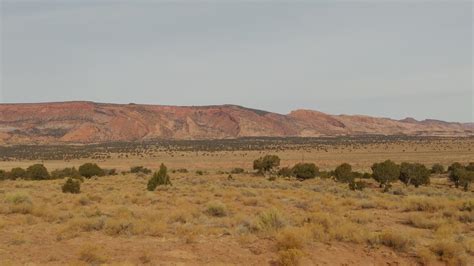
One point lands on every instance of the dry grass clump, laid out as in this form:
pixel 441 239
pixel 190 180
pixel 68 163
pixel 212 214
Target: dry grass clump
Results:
pixel 469 246
pixel 216 209
pixel 3 224
pixel 449 251
pixel 270 220
pixel 289 257
pixel 467 206
pixel 80 224
pixel 17 198
pixel 423 221
pixel 190 233
pixel 423 203
pixel 362 218
pixel 179 216
pixel 396 240
pixel 18 202
pixel 348 232
pixel 318 232
pixel 92 255
pixel 144 258
pixel 466 217
pixel 126 223
pixel 119 226
pixel 250 202
pixel 292 238
pixel 327 227
pixel 21 203
pixel 447 230
pixel 17 240
pixel 151 227
pixel 122 223
pixel 248 193
pixel 366 204
pixel 324 227
pixel 426 256
pixel 87 224
pixel 323 219
pixel 84 201
pixel 46 212
pixel 387 202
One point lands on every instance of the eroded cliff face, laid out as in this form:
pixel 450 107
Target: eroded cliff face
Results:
pixel 88 122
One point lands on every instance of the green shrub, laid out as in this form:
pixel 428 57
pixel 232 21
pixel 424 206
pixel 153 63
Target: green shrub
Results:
pixel 16 172
pixel 160 178
pixel 458 174
pixel 414 174
pixel 385 173
pixel 237 171
pixel 66 172
pixel 139 169
pixel 89 170
pixel 266 163
pixel 37 172
pixel 305 170
pixel 72 186
pixel 455 165
pixel 466 179
pixel 455 174
pixel 285 172
pixel 343 173
pixel 461 177
pixel 470 166
pixel 3 175
pixel 437 169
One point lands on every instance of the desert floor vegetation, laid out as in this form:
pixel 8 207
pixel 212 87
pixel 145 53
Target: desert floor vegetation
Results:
pixel 211 219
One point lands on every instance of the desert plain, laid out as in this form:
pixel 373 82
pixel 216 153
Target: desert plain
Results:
pixel 212 215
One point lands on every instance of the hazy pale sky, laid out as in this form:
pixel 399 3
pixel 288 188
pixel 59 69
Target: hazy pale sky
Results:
pixel 390 59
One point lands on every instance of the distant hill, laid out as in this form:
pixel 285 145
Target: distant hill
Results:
pixel 88 122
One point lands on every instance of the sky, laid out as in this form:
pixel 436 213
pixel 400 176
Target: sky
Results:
pixel 381 58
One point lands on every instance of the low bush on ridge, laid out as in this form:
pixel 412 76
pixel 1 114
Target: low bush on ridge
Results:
pixel 16 172
pixel 305 170
pixel 37 172
pixel 160 178
pixel 343 173
pixel 89 170
pixel 265 164
pixel 460 175
pixel 385 173
pixel 72 185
